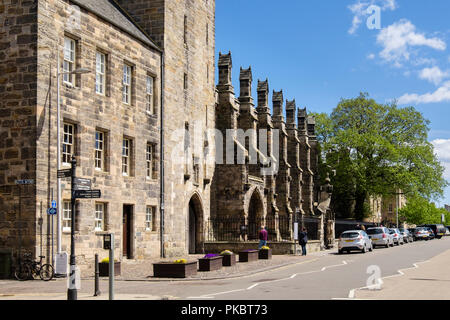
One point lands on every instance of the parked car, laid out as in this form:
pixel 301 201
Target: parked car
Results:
pixel 438 229
pixel 398 237
pixel 447 231
pixel 431 233
pixel 380 236
pixel 421 233
pixel 407 236
pixel 354 240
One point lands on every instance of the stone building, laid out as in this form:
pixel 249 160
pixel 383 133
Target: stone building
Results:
pixel 148 126
pixel 110 123
pixel 267 166
pixel 383 209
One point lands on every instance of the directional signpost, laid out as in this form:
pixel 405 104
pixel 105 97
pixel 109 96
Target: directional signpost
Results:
pixel 82 184
pixel 87 194
pixel 66 173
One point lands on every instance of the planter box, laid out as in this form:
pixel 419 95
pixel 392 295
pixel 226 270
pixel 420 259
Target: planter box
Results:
pixel 265 254
pixel 229 260
pixel 103 268
pixel 248 256
pixel 174 270
pixel 210 264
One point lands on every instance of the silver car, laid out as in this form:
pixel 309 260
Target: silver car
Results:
pixel 397 235
pixel 354 240
pixel 407 236
pixel 380 236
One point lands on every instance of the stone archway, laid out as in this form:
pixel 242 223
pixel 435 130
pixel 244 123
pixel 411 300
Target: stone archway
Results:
pixel 255 216
pixel 195 225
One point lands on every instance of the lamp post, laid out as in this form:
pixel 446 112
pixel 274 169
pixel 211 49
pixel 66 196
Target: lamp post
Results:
pixel 58 152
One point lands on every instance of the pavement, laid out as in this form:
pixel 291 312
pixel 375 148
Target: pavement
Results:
pixel 428 280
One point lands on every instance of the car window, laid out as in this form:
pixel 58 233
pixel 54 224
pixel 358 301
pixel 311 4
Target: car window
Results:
pixel 350 235
pixel 375 231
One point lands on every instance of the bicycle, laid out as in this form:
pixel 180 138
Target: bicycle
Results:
pixel 29 269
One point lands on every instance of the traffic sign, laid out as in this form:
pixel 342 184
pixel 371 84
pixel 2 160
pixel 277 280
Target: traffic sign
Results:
pixel 25 181
pixel 52 211
pixel 66 173
pixel 87 194
pixel 53 204
pixel 82 184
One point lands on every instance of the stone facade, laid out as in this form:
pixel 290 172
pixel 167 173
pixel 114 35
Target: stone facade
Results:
pixel 28 102
pixel 269 181
pixel 185 30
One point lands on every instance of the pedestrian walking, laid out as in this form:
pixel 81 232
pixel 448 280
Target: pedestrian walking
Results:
pixel 263 237
pixel 303 240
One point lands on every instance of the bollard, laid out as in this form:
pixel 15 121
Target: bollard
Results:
pixel 97 275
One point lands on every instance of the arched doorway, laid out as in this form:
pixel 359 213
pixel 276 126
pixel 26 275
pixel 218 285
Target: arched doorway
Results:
pixel 255 215
pixel 195 224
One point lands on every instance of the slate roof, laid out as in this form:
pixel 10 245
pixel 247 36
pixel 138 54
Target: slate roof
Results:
pixel 111 12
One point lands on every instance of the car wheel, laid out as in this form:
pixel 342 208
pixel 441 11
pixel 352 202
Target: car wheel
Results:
pixel 340 251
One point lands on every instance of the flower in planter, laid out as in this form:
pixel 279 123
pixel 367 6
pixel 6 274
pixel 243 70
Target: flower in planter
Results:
pixel 181 261
pixel 226 253
pixel 106 260
pixel 265 248
pixel 210 255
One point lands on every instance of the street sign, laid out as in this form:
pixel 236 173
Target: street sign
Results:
pixel 87 194
pixel 66 173
pixel 26 181
pixel 52 211
pixel 53 204
pixel 82 184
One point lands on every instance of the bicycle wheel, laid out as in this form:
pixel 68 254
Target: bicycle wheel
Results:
pixel 47 272
pixel 22 272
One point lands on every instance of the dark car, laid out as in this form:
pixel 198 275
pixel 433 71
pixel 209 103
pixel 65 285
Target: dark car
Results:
pixel 412 230
pixel 438 229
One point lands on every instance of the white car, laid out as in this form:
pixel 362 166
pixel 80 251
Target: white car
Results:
pixel 381 236
pixel 354 240
pixel 447 232
pixel 398 236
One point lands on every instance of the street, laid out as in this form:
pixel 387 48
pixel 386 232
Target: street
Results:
pixel 323 276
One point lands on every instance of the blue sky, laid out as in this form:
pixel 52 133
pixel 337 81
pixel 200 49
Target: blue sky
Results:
pixel 321 51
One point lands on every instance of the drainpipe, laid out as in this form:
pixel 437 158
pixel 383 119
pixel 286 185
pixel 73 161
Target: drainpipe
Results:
pixel 161 178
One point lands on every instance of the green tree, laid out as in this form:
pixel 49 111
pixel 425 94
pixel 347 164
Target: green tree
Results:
pixel 420 210
pixel 377 149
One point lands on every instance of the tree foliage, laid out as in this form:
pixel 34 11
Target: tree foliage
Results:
pixel 377 149
pixel 419 210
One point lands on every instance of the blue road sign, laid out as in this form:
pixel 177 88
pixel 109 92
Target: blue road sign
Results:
pixel 53 204
pixel 52 211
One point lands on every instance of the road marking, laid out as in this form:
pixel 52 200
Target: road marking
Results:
pixel 212 295
pixel 351 294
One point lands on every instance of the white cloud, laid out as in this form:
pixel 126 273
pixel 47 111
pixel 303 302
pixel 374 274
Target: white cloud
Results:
pixel 442 148
pixel 398 40
pixel 442 94
pixel 371 56
pixel 434 75
pixel 359 10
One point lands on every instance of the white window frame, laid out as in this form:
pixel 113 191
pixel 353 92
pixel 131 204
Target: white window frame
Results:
pixel 99 216
pixel 70 57
pixel 100 75
pixel 68 143
pixel 99 150
pixel 150 94
pixel 67 216
pixel 149 218
pixel 126 145
pixel 126 83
